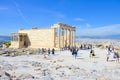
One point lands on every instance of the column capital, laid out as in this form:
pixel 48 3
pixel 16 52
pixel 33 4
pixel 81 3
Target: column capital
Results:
pixel 58 26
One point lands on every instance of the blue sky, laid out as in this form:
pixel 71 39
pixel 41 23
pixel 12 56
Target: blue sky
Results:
pixel 91 17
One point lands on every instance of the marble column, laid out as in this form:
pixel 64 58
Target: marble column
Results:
pixel 58 36
pixel 62 37
pixel 54 37
pixel 71 38
pixel 66 38
pixel 74 36
pixel 18 37
pixel 13 37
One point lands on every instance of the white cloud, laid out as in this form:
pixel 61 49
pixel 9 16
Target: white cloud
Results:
pixel 79 19
pixel 100 31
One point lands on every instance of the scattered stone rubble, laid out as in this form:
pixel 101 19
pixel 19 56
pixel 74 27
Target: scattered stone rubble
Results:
pixel 59 72
pixel 50 69
pixel 16 52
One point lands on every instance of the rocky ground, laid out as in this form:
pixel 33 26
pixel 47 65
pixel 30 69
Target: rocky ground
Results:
pixel 61 66
pixel 16 52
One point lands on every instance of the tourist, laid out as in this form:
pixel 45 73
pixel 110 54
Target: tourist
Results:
pixel 49 51
pixel 108 53
pixel 42 50
pixel 45 50
pixel 77 49
pixel 45 53
pixel 68 47
pixel 81 47
pixel 28 53
pixel 75 53
pixel 84 46
pixel 109 48
pixel 112 49
pixel 53 51
pixel 116 55
pixel 92 53
pixel 91 46
pixel 73 50
pixel 38 50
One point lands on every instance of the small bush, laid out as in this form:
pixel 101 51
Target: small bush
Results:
pixel 7 44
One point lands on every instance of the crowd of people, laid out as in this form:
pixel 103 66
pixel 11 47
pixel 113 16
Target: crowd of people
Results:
pixel 110 49
pixel 45 51
pixel 84 46
pixel 74 51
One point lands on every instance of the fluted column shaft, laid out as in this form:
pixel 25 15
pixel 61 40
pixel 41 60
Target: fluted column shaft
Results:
pixel 66 37
pixel 58 36
pixel 75 38
pixel 54 37
pixel 63 37
pixel 69 37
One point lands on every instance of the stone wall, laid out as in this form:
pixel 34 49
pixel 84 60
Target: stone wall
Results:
pixel 58 36
pixel 14 44
pixel 40 38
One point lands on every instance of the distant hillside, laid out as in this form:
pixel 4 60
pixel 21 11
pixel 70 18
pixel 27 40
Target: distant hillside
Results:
pixel 101 37
pixel 5 38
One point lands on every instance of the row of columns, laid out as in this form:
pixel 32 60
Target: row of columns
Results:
pixel 70 37
pixel 15 37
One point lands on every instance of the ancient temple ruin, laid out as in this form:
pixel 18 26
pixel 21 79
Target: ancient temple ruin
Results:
pixel 58 36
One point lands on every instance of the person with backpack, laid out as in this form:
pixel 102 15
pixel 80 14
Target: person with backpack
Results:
pixel 92 53
pixel 53 51
pixel 38 50
pixel 116 56
pixel 75 53
pixel 108 53
pixel 49 51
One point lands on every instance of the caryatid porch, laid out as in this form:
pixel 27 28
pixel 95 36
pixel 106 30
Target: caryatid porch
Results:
pixel 65 35
pixel 19 40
